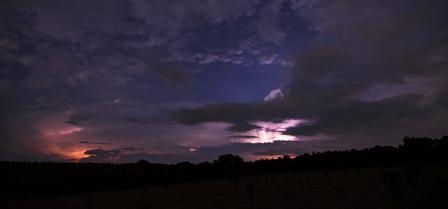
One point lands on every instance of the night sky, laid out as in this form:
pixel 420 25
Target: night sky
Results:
pixel 189 80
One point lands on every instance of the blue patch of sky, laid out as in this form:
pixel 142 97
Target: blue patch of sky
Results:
pixel 238 83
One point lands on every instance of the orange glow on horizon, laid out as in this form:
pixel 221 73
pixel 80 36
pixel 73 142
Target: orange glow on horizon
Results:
pixel 76 154
pixel 61 140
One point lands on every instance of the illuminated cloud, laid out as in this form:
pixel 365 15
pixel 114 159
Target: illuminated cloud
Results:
pixel 269 132
pixel 267 59
pixel 64 131
pixel 274 95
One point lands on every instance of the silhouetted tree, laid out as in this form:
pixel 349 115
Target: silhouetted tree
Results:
pixel 229 160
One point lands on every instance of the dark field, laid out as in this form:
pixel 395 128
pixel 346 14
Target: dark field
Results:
pixel 379 188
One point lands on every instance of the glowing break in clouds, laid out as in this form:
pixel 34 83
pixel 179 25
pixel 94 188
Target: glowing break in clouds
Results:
pixel 254 157
pixel 58 139
pixel 62 141
pixel 270 132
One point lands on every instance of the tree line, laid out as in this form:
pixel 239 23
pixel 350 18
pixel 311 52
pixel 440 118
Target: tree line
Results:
pixel 26 179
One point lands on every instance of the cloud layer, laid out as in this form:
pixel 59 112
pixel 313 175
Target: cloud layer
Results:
pixel 375 69
pixel 188 80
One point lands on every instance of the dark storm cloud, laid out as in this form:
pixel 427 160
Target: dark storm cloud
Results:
pixel 244 137
pixel 65 35
pixel 235 113
pixel 100 69
pixel 94 142
pixel 78 118
pixel 148 120
pixel 248 150
pixel 124 155
pixel 371 117
pixel 242 126
pixel 101 155
pixel 73 70
pixel 169 70
pixel 360 46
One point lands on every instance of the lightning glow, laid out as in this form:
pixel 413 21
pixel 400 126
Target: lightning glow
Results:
pixel 270 131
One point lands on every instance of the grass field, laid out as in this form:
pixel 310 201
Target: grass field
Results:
pixel 376 188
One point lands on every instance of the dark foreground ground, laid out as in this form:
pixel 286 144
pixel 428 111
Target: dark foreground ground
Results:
pixel 377 188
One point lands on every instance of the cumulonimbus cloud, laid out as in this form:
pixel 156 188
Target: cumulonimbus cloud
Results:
pixel 358 46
